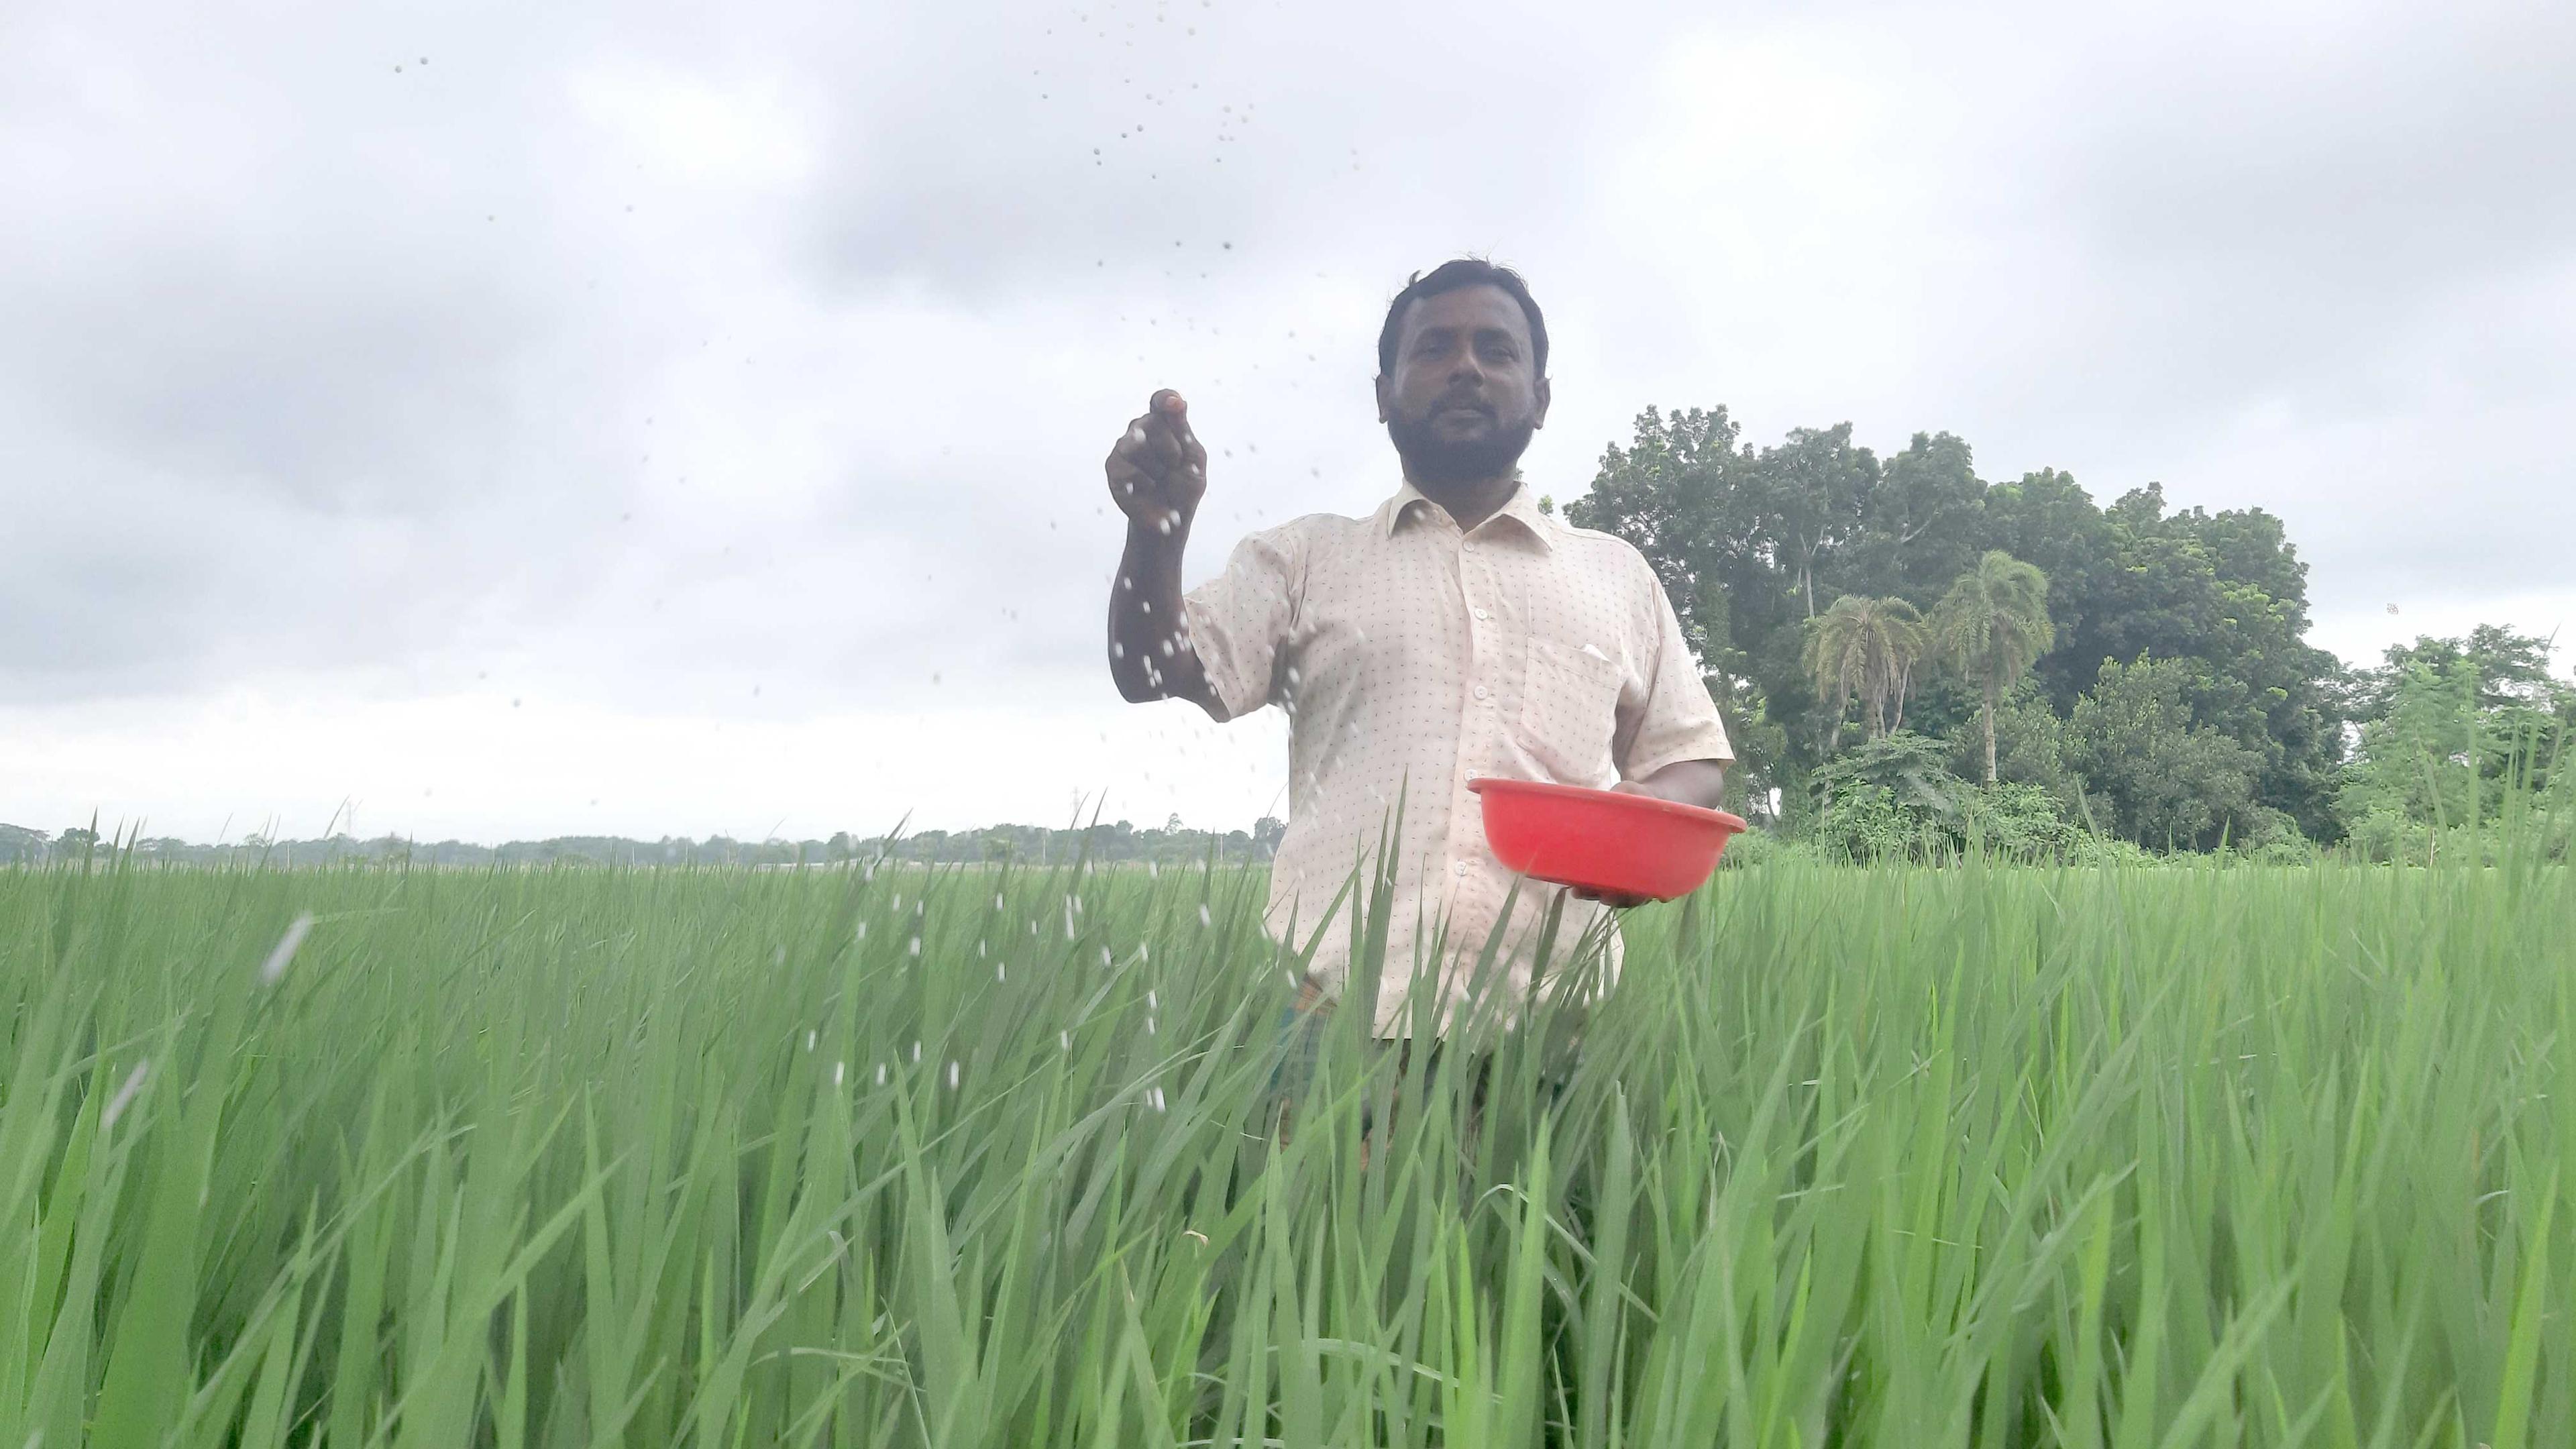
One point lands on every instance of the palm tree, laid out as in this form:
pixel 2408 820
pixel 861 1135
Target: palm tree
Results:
pixel 1994 625
pixel 1866 645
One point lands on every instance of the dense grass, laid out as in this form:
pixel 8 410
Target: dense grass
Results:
pixel 1884 1157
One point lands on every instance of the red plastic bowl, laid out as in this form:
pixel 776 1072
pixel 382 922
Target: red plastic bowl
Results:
pixel 1603 840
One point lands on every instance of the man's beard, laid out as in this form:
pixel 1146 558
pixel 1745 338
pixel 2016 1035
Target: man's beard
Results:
pixel 1431 458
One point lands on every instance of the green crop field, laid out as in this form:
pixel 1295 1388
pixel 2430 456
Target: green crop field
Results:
pixel 1900 1156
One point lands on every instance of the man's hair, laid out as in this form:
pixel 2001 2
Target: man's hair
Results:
pixel 1449 277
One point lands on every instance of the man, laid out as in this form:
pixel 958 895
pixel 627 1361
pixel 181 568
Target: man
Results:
pixel 1455 632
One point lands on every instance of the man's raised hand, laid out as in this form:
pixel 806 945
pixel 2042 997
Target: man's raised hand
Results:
pixel 1158 471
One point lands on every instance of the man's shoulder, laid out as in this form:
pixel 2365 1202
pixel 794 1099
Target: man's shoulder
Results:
pixel 1604 550
pixel 1314 531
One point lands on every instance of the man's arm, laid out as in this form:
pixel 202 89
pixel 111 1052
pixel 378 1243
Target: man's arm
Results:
pixel 1691 782
pixel 1157 474
pixel 1149 651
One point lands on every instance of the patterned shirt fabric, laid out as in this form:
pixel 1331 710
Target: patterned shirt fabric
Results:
pixel 1411 658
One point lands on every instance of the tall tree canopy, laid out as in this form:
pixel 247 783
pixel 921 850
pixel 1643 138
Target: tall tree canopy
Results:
pixel 1868 648
pixel 1993 625
pixel 1753 542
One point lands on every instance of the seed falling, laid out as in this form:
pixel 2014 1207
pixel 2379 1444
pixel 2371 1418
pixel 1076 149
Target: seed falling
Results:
pixel 284 952
pixel 124 1097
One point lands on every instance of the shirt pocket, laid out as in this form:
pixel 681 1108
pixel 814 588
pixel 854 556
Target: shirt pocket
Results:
pixel 1570 711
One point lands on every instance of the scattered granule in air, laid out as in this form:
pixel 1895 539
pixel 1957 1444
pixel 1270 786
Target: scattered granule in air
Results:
pixel 952 1076
pixel 275 966
pixel 1203 914
pixel 839 1069
pixel 809 1039
pixel 124 1097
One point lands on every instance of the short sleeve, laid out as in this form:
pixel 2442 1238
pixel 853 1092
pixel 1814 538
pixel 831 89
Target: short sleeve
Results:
pixel 1671 718
pixel 1239 620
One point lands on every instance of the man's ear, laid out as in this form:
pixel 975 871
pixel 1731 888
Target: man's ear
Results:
pixel 1382 400
pixel 1539 418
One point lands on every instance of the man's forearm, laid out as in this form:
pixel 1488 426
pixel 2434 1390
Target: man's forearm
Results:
pixel 1691 782
pixel 1148 657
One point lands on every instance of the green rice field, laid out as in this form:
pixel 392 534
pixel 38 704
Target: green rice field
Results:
pixel 1851 1156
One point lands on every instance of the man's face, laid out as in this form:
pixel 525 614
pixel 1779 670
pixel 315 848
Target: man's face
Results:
pixel 1466 393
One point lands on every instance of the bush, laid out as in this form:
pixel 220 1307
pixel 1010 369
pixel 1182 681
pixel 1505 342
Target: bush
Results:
pixel 1868 822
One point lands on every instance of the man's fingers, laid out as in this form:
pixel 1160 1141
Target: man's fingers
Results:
pixel 1176 413
pixel 1174 446
pixel 1135 453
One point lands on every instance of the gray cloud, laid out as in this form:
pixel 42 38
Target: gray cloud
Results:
pixel 626 358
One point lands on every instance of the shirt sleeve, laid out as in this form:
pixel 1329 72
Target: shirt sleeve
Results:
pixel 1239 621
pixel 1672 718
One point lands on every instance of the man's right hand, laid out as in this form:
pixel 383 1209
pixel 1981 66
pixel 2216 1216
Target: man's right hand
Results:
pixel 1158 471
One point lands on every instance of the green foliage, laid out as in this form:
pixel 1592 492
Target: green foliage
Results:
pixel 1866 648
pixel 1748 542
pixel 2165 781
pixel 1992 626
pixel 2030 747
pixel 1898 799
pixel 1863 1157
pixel 2459 738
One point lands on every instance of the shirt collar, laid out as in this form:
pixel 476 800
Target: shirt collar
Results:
pixel 1520 507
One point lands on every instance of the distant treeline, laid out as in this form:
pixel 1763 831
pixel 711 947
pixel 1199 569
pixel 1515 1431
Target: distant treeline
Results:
pixel 1108 841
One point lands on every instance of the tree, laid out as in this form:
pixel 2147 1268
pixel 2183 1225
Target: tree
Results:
pixel 1993 625
pixel 2452 729
pixel 2166 781
pixel 1868 646
pixel 1813 495
pixel 2224 589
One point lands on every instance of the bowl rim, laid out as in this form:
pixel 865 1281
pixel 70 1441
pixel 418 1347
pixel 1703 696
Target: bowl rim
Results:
pixel 1652 803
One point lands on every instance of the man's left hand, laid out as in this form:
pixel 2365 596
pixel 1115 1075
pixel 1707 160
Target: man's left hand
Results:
pixel 1689 782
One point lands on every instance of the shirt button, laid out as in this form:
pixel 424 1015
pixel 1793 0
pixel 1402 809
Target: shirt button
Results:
pixel 1460 867
pixel 1482 692
pixel 1481 614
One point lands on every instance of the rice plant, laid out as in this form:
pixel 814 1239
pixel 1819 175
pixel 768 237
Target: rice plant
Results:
pixel 1886 1156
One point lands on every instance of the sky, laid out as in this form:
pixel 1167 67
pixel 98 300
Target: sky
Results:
pixel 496 421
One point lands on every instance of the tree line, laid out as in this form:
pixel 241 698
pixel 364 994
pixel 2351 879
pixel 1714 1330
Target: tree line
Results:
pixel 1905 651
pixel 1119 841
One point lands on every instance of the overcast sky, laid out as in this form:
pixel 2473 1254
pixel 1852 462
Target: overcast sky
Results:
pixel 499 420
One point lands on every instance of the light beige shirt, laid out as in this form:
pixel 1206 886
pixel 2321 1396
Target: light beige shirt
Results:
pixel 1411 657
